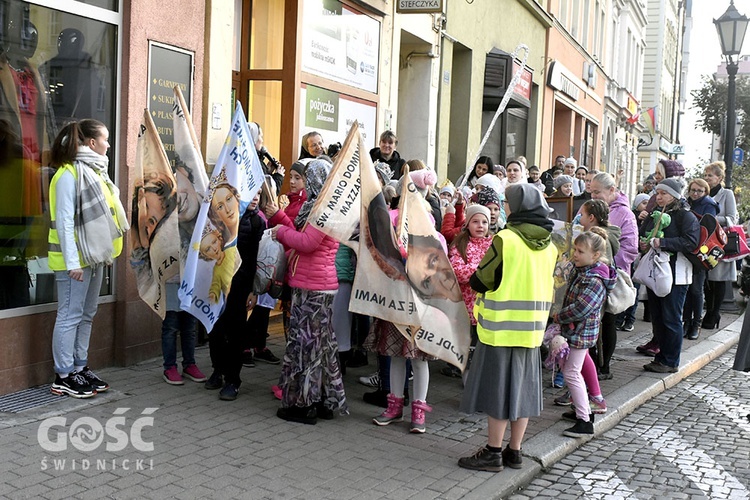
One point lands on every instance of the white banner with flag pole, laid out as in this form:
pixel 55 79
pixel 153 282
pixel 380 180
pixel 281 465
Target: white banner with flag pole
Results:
pixel 213 258
pixel 416 292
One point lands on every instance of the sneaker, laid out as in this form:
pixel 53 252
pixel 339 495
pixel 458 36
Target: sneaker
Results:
pixel 451 371
pixel 605 376
pixel 650 348
pixel 620 324
pixel 215 381
pixel 580 429
pixel 371 380
pixel 277 392
pixel 512 458
pixel 93 380
pixel 300 414
pixel 559 381
pixel 657 367
pixel 266 356
pixel 393 413
pixel 570 416
pixel 418 409
pixel 172 376
pixel 564 400
pixel 229 392
pixel 628 326
pixel 598 407
pixel 193 373
pixel 74 385
pixel 483 459
pixel 248 358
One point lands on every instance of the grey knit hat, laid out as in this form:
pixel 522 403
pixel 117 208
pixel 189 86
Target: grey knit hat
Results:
pixel 671 186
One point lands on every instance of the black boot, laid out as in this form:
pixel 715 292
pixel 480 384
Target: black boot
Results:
pixel 694 329
pixel 711 321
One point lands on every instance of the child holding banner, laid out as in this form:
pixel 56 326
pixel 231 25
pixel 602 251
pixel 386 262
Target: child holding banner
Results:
pixel 310 380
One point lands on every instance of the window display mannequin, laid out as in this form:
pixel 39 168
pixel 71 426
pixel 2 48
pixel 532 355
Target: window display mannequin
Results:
pixel 74 80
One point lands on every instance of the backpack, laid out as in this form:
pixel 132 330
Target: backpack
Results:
pixel 710 243
pixel 269 276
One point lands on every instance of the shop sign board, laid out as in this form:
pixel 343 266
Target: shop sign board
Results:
pixel 332 114
pixel 341 44
pixel 523 87
pixel 419 6
pixel 167 66
pixel 561 79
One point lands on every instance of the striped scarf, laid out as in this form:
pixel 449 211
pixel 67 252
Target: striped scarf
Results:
pixel 93 218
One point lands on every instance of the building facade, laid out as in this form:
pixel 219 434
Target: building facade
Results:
pixel 624 74
pixel 661 80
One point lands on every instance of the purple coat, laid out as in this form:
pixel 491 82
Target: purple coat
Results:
pixel 621 216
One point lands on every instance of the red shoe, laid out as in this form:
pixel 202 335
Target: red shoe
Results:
pixel 650 348
pixel 276 391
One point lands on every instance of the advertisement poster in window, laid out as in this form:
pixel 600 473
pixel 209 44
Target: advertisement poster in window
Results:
pixel 332 114
pixel 340 44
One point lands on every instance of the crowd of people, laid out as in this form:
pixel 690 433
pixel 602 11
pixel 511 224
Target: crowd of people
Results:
pixel 496 224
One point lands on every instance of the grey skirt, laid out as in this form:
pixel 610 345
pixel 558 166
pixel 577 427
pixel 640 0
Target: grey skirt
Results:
pixel 504 382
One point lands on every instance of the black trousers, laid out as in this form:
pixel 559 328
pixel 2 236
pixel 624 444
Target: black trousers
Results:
pixel 228 338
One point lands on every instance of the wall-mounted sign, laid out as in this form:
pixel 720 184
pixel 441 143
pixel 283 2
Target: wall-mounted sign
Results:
pixel 561 79
pixel 340 44
pixel 523 87
pixel 632 105
pixel 419 6
pixel 332 114
pixel 167 66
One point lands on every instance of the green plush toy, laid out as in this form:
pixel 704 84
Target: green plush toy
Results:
pixel 661 220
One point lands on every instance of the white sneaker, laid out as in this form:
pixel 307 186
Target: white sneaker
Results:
pixel 371 380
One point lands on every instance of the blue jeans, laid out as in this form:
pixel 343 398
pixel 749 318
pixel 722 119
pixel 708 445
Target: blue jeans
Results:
pixel 666 320
pixel 76 306
pixel 384 369
pixel 183 323
pixel 628 315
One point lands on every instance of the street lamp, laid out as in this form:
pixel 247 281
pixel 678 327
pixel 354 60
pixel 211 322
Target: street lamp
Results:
pixel 731 27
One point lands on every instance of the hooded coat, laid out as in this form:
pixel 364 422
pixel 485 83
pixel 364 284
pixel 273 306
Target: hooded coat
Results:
pixel 621 216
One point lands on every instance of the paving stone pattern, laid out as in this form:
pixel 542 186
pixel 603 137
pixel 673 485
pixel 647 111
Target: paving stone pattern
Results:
pixel 691 441
pixel 207 448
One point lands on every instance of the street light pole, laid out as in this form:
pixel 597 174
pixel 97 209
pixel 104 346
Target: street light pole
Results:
pixel 731 28
pixel 729 135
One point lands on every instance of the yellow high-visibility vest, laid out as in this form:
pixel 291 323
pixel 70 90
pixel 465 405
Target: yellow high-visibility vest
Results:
pixel 515 314
pixel 56 261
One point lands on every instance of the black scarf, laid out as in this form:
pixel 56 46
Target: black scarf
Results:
pixel 715 190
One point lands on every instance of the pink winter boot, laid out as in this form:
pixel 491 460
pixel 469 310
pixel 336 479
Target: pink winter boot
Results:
pixel 418 408
pixel 394 412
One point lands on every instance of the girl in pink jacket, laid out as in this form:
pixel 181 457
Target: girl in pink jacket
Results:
pixel 310 381
pixel 465 254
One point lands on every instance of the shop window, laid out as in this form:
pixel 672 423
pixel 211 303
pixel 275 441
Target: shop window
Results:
pixel 56 67
pixel 515 136
pixel 104 4
pixel 264 107
pixel 267 35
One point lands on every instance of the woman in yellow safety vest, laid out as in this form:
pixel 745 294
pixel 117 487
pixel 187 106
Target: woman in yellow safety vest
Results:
pixel 515 286
pixel 87 222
